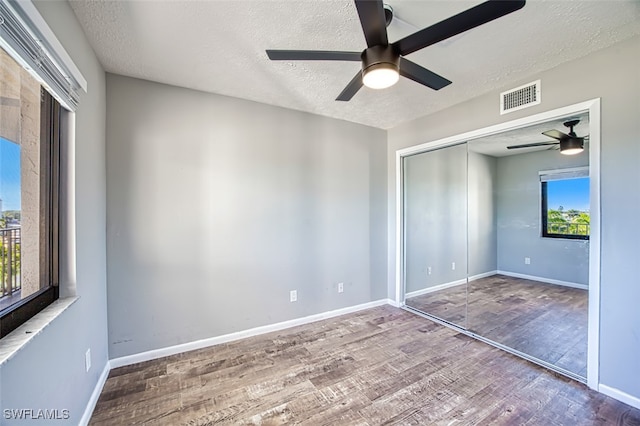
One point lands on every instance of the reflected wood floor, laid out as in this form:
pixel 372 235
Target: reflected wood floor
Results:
pixel 546 321
pixel 378 366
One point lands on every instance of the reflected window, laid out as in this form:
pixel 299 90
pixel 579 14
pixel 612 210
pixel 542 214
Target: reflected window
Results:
pixel 565 204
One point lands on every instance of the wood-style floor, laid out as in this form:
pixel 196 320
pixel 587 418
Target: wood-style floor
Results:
pixel 546 321
pixel 378 366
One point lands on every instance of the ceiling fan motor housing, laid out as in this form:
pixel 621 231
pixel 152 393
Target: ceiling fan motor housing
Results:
pixel 380 56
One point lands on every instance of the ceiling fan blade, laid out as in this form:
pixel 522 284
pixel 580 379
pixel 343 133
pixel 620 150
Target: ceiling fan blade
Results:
pixel 474 17
pixel 313 55
pixel 531 145
pixel 421 75
pixel 556 134
pixel 352 88
pixel 373 22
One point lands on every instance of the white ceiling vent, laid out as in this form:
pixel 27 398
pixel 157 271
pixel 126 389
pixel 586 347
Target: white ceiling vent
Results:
pixel 520 97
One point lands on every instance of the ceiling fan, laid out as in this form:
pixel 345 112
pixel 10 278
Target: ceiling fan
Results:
pixel 383 63
pixel 570 144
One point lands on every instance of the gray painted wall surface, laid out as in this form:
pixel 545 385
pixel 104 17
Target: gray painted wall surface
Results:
pixel 482 214
pixel 218 207
pixel 518 195
pixel 436 220
pixel 610 74
pixel 49 371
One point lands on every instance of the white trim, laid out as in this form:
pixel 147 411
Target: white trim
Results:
pixel 593 339
pixel 593 108
pixel 15 341
pixel 67 205
pixel 483 275
pixel 95 395
pixel 544 280
pixel 435 288
pixel 394 303
pixel 199 344
pixel 620 396
pixel 490 274
pixel 502 127
pixel 567 170
pixel 449 284
pixel 399 230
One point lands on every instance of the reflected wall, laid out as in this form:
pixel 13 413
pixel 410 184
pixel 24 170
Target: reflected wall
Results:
pixel 435 208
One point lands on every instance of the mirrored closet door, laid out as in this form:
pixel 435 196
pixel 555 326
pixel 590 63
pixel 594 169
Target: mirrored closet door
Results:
pixel 497 241
pixel 435 233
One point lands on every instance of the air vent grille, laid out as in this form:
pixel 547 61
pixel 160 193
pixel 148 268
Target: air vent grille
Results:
pixel 520 97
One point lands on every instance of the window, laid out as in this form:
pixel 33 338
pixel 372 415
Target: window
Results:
pixel 40 87
pixel 29 188
pixel 565 204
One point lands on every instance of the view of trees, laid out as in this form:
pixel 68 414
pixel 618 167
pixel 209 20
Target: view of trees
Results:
pixel 570 222
pixel 11 214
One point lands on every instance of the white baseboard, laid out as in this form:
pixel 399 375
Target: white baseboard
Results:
pixel 620 396
pixel 482 275
pixel 93 400
pixel 544 280
pixel 394 303
pixel 199 344
pixel 449 284
pixel 435 288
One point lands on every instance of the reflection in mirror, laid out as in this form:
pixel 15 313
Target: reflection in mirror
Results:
pixel 529 246
pixel 435 208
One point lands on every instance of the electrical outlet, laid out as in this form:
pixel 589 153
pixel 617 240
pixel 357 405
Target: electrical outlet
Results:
pixel 453 266
pixel 87 360
pixel 428 270
pixel 340 287
pixel 293 296
pixel 527 261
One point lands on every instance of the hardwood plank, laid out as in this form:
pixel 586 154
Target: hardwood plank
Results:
pixel 546 321
pixel 378 366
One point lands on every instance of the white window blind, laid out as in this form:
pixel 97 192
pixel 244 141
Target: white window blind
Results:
pixel 572 173
pixel 28 39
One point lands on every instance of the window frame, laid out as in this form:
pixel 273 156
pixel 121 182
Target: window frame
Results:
pixel 13 316
pixel 563 174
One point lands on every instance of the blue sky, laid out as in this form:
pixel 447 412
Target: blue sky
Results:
pixel 9 175
pixel 568 193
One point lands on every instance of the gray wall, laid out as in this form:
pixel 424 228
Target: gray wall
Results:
pixel 610 74
pixel 49 371
pixel 519 235
pixel 218 207
pixel 436 221
pixel 482 214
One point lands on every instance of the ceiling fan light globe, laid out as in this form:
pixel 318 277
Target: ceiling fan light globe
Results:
pixel 380 76
pixel 571 146
pixel 571 151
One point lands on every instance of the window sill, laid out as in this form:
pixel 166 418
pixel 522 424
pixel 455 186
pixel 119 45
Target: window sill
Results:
pixel 12 343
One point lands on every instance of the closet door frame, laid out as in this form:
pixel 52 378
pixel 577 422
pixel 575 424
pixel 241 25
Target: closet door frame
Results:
pixel 593 108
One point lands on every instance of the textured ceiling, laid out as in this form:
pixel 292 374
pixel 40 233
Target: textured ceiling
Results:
pixel 219 47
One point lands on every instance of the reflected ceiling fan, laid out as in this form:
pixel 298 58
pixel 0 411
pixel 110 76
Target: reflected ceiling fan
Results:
pixel 383 63
pixel 570 144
